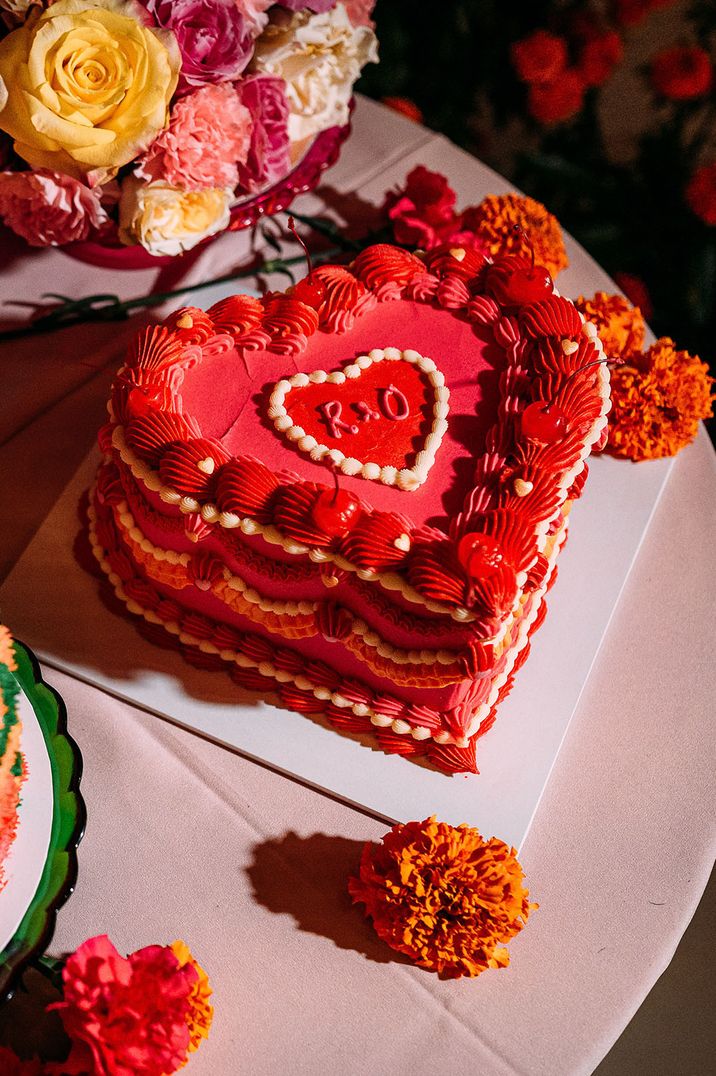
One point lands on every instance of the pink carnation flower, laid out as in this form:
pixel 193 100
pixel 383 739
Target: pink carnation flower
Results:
pixel 125 1014
pixel 208 137
pixel 49 209
pixel 268 157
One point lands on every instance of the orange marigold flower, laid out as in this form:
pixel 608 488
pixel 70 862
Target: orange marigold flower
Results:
pixel 200 1012
pixel 619 324
pixel 443 896
pixel 405 106
pixel 701 193
pixel 599 56
pixel 541 57
pixel 658 398
pixel 494 220
pixel 682 73
pixel 555 102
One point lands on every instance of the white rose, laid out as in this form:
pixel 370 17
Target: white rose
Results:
pixel 168 221
pixel 319 57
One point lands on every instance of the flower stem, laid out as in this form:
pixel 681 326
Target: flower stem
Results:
pixel 110 308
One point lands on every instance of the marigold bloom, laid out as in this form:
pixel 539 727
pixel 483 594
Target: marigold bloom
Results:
pixel 682 73
pixel 619 324
pixel 200 1012
pixel 541 57
pixel 555 102
pixel 658 398
pixel 599 56
pixel 494 221
pixel 443 896
pixel 701 193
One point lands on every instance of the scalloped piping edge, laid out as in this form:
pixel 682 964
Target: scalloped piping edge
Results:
pixel 323 694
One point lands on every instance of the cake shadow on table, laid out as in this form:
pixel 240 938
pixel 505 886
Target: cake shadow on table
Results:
pixel 279 874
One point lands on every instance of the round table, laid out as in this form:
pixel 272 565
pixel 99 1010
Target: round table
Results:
pixel 187 839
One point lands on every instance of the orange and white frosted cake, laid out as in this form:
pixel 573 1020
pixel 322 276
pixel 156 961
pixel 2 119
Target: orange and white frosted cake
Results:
pixel 12 770
pixel 353 494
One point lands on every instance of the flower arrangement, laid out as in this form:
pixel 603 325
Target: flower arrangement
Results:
pixel 443 896
pixel 142 1014
pixel 422 215
pixel 145 123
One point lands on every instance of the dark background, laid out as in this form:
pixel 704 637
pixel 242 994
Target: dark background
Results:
pixel 615 174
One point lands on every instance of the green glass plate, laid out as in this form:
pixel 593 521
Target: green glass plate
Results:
pixel 68 822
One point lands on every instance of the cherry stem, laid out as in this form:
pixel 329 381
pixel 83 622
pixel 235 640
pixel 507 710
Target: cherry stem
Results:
pixel 336 490
pixel 519 230
pixel 294 232
pixel 595 362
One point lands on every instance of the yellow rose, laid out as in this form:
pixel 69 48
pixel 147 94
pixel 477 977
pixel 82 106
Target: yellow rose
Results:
pixel 166 220
pixel 85 86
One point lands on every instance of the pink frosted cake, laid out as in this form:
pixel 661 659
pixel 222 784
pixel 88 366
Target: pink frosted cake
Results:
pixel 353 495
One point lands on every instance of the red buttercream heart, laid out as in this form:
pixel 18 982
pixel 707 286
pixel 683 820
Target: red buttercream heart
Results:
pixel 381 417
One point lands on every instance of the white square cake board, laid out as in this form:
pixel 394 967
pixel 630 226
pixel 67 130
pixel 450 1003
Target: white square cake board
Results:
pixel 53 604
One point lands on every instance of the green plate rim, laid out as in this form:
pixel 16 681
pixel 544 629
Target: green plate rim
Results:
pixel 69 816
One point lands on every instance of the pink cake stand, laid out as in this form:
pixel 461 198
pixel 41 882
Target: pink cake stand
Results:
pixel 304 176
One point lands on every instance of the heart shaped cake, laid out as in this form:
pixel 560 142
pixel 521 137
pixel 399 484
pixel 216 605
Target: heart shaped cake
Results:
pixel 353 494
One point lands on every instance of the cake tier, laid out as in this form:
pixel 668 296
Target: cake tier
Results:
pixel 312 674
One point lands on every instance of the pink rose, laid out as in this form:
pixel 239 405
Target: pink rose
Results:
pixel 208 136
pixel 268 156
pixel 49 209
pixel 214 38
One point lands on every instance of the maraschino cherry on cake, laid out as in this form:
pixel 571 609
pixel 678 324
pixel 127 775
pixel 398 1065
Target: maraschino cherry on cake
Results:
pixel 353 494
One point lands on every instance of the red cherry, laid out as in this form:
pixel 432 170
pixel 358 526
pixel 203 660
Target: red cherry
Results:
pixel 140 403
pixel 479 554
pixel 544 422
pixel 310 292
pixel 334 511
pixel 513 281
